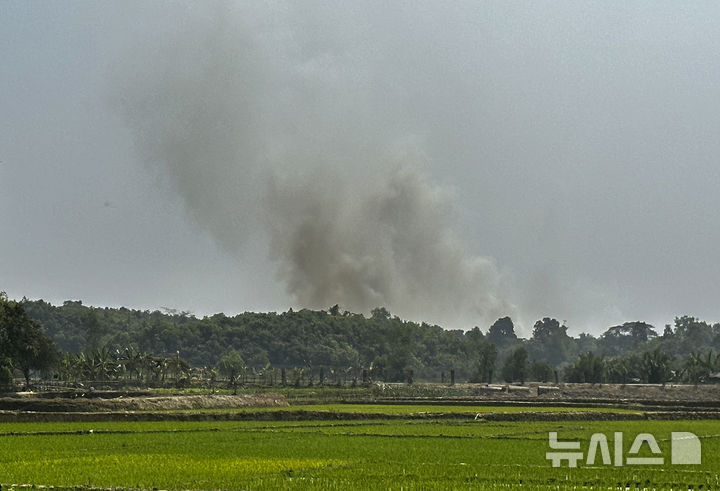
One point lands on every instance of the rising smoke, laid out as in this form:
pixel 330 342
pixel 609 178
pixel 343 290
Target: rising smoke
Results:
pixel 263 127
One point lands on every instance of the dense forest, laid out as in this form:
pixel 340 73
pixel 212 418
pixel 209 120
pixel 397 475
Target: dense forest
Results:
pixel 389 348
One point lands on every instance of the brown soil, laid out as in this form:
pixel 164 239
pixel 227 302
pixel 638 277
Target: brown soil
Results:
pixel 640 396
pixel 81 404
pixel 303 415
pixel 650 401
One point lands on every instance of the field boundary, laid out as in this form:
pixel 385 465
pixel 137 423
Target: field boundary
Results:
pixel 305 415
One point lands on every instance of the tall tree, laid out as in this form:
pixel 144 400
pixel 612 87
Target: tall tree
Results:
pixel 232 366
pixel 693 333
pixel 620 340
pixel 656 367
pixel 22 340
pixel 93 331
pixel 550 342
pixel 516 365
pixel 502 332
pixel 486 356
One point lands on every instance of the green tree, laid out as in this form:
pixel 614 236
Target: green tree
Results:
pixel 628 337
pixel 22 340
pixel 622 370
pixel 550 342
pixel 692 334
pixel 656 367
pixel 515 367
pixel 6 376
pixel 668 332
pixel 93 331
pixel 541 371
pixel 502 332
pixel 486 356
pixel 588 368
pixel 586 342
pixel 380 314
pixel 232 365
pixel 697 368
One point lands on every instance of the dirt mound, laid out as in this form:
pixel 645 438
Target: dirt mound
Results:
pixel 618 395
pixel 154 403
pixel 214 401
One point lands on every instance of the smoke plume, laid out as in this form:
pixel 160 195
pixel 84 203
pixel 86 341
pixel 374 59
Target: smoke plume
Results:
pixel 270 127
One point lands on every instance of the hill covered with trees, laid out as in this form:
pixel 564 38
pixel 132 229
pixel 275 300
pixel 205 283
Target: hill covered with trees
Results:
pixel 390 348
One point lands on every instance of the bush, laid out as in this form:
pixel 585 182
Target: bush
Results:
pixel 6 378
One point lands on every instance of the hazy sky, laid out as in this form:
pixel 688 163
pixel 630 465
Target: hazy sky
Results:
pixel 451 161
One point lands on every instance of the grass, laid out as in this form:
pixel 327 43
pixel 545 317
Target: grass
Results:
pixel 439 408
pixel 378 454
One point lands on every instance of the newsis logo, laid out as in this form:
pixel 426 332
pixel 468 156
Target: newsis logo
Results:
pixel 685 449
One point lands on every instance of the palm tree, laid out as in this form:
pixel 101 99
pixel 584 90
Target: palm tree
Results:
pixel 178 367
pixel 656 367
pixel 698 368
pixel 70 367
pixel 588 368
pixel 132 361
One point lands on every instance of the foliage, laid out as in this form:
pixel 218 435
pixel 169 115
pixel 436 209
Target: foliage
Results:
pixel 516 365
pixel 541 371
pixel 486 356
pixel 23 343
pixel 502 332
pixel 698 367
pixel 551 342
pixel 6 375
pixel 232 366
pixel 656 367
pixel 626 337
pixel 588 368
pixel 342 344
pixel 622 370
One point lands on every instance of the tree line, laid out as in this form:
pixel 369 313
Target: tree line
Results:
pixel 331 346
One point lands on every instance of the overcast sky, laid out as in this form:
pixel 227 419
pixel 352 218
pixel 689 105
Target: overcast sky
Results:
pixel 453 162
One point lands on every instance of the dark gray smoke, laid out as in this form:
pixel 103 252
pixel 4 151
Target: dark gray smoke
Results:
pixel 391 245
pixel 263 129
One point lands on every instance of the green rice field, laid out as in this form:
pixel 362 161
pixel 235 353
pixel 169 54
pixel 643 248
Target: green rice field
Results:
pixel 432 453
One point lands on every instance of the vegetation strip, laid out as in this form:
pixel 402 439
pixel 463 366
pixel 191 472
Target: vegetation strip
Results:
pixel 86 487
pixel 304 415
pixel 119 347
